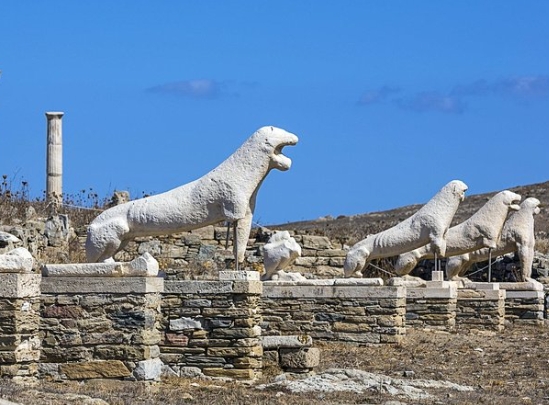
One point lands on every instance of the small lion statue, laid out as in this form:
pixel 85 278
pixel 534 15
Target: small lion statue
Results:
pixel 227 193
pixel 279 253
pixel 428 225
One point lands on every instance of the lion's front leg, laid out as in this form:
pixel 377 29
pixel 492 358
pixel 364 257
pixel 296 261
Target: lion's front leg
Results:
pixel 526 254
pixel 242 234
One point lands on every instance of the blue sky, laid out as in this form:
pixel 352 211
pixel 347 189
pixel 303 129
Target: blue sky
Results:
pixel 391 100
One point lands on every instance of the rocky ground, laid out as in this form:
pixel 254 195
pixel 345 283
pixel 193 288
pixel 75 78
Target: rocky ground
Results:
pixel 429 367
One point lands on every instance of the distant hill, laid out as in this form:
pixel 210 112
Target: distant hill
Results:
pixel 350 229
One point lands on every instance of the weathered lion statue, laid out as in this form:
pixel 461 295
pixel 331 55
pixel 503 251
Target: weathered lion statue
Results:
pixel 482 229
pixel 428 225
pixel 227 193
pixel 278 253
pixel 517 236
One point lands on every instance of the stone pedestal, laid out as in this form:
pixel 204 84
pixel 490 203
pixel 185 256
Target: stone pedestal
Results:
pixel 524 302
pixel 19 325
pixel 481 306
pixel 101 327
pixel 432 306
pixel 213 328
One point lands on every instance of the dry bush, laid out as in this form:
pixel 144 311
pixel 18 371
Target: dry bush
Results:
pixel 542 245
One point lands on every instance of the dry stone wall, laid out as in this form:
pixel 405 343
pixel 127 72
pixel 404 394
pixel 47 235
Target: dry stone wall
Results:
pixel 212 328
pixel 100 327
pixel 336 310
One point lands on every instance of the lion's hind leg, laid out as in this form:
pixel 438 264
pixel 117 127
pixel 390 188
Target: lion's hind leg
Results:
pixel 104 240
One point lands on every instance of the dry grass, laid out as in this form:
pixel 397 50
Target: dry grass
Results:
pixel 505 368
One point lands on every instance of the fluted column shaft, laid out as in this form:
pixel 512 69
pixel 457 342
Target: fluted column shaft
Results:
pixel 54 159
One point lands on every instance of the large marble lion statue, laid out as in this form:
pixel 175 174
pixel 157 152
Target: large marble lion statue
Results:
pixel 428 225
pixel 227 193
pixel 517 236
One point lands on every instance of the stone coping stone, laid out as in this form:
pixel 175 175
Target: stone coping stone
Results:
pixel 19 285
pixel 198 287
pixel 142 266
pixel 532 285
pixel 481 286
pixel 287 342
pixel 407 281
pixel 329 282
pixel 238 275
pixel 332 291
pixel 480 294
pixel 423 292
pixel 525 294
pixel 440 284
pixel 102 285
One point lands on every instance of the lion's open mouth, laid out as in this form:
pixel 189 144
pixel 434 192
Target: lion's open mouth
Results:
pixel 283 162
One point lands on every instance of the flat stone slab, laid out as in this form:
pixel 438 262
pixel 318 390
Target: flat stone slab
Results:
pixel 524 285
pixel 440 284
pixel 407 281
pixel 240 275
pixel 288 342
pixel 359 281
pixel 480 294
pixel 142 266
pixel 525 294
pixel 102 285
pixel 371 282
pixel 481 286
pixel 331 291
pixel 199 287
pixel 422 292
pixel 95 369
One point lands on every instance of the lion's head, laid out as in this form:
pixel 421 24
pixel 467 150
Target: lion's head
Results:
pixel 355 261
pixel 511 199
pixel 458 188
pixel 531 204
pixel 273 141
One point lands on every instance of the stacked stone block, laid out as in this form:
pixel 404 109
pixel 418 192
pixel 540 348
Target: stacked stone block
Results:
pixel 432 306
pixel 345 310
pixel 319 257
pixel 481 306
pixel 213 328
pixel 101 327
pixel 293 354
pixel 524 302
pixel 19 325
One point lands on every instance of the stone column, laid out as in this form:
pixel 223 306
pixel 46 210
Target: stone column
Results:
pixel 54 160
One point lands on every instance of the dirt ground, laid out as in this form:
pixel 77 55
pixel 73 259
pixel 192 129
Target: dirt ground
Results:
pixel 510 367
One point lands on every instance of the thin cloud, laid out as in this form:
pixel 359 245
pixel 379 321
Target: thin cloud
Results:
pixel 378 95
pixel 197 89
pixel 521 87
pixel 524 87
pixel 432 101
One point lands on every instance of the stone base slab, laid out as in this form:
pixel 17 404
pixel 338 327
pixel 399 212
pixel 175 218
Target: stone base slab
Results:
pixel 142 266
pixel 273 290
pixel 427 293
pixel 102 285
pixel 19 285
pixel 371 282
